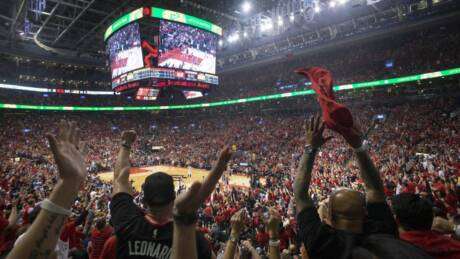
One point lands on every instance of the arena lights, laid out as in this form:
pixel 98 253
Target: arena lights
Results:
pixel 234 37
pixel 280 21
pixel 370 84
pixel 266 25
pixel 246 7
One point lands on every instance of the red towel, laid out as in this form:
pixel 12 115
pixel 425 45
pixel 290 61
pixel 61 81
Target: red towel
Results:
pixel 335 115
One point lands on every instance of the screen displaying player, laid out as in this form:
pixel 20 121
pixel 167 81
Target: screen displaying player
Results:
pixel 124 49
pixel 147 94
pixel 192 94
pixel 186 47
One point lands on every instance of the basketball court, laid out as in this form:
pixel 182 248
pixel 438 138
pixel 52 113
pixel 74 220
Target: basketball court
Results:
pixel 138 175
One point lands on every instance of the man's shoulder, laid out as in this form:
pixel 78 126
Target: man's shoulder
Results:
pixel 121 196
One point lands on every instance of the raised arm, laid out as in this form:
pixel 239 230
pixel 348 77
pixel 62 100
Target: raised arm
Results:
pixel 237 223
pixel 254 254
pixel 273 226
pixel 121 171
pixel 315 139
pixel 186 206
pixel 369 174
pixel 40 239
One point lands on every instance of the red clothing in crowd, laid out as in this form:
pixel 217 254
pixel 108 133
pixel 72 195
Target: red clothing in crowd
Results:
pixel 208 211
pixel 109 250
pixel 7 237
pixel 435 244
pixel 98 239
pixel 262 238
pixel 410 188
pixel 71 235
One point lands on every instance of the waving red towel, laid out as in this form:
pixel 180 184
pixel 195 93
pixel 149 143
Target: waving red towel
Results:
pixel 335 115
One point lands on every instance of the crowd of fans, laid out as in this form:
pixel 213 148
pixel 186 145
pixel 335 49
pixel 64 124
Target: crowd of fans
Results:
pixel 178 36
pixel 306 184
pixel 414 145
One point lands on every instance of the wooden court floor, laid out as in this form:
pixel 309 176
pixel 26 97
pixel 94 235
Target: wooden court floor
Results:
pixel 138 175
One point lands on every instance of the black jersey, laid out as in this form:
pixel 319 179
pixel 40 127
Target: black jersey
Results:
pixel 137 237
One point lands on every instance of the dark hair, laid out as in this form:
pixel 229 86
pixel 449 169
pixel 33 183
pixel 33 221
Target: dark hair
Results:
pixel 413 212
pixel 158 190
pixel 100 224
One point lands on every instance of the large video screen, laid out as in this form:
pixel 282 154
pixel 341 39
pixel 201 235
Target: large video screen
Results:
pixel 124 49
pixel 186 47
pixel 147 94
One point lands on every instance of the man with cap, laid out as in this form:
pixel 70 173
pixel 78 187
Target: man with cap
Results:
pixel 148 234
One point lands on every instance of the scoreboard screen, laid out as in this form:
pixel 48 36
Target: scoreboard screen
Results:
pixel 186 47
pixel 124 49
pixel 159 48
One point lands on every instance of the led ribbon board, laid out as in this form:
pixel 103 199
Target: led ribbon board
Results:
pixel 164 14
pixel 370 84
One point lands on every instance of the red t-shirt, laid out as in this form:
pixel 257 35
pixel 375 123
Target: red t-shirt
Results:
pixel 262 238
pixel 70 234
pixel 435 244
pixel 98 239
pixel 7 238
pixel 109 250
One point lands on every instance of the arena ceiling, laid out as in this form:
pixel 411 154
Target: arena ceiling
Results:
pixel 78 25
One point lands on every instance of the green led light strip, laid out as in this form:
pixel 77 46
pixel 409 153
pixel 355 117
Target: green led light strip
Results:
pixel 370 84
pixel 186 19
pixel 164 14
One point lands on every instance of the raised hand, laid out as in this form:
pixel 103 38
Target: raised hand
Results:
pixel 237 223
pixel 314 132
pixel 273 223
pixel 128 137
pixel 189 202
pixel 68 153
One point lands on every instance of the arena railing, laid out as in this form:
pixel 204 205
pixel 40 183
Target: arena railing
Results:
pixel 360 85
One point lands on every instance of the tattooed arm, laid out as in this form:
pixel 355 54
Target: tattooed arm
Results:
pixel 41 238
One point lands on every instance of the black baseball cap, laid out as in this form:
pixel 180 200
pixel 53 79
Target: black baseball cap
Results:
pixel 158 189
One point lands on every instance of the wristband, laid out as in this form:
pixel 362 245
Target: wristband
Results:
pixel 362 148
pixel 125 144
pixel 185 219
pixel 309 149
pixel 53 208
pixel 233 239
pixel 274 242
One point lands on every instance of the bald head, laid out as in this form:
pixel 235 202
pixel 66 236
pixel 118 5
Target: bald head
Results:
pixel 347 209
